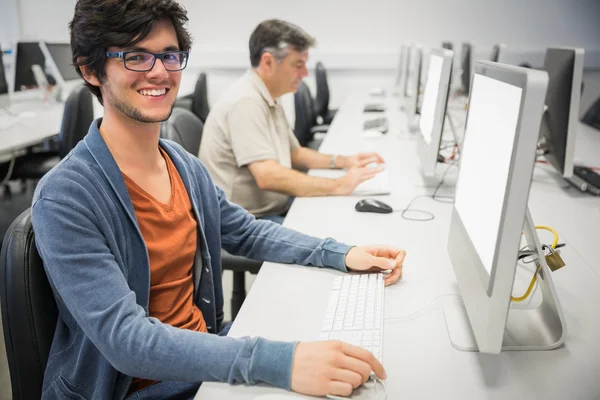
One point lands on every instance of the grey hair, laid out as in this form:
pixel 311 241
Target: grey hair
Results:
pixel 278 38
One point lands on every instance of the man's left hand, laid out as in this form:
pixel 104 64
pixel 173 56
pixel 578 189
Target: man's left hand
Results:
pixel 376 258
pixel 360 159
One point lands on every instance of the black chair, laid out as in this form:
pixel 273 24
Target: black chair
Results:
pixel 305 127
pixel 239 266
pixel 196 102
pixel 322 96
pixel 200 100
pixel 77 117
pixel 29 312
pixel 185 128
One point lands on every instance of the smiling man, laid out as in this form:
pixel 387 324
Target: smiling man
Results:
pixel 130 228
pixel 249 147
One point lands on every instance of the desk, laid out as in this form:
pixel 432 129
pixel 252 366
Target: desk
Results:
pixel 419 359
pixel 28 129
pixel 420 362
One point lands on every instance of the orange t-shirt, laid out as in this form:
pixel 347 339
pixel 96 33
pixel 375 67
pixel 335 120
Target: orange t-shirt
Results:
pixel 170 233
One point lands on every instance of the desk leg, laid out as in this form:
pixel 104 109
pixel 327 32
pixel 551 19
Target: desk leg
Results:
pixel 238 294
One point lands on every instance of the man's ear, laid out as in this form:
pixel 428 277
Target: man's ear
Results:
pixel 267 60
pixel 88 74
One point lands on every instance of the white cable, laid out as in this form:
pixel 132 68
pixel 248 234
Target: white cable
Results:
pixel 386 320
pixel 11 166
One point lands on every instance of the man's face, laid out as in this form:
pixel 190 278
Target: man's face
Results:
pixel 288 73
pixel 146 97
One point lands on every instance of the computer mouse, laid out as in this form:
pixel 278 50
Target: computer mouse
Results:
pixel 374 206
pixel 371 134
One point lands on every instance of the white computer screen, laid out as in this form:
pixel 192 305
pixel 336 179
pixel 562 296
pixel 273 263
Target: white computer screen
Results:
pixel 485 161
pixel 432 87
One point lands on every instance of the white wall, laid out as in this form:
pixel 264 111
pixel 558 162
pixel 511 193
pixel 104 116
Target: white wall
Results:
pixel 358 40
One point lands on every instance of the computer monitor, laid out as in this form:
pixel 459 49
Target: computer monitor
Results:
pixel 402 68
pixel 559 125
pixel 60 61
pixel 28 54
pixel 497 52
pixel 447 45
pixel 408 69
pixel 490 212
pixel 433 110
pixel 3 81
pixel 414 80
pixel 465 64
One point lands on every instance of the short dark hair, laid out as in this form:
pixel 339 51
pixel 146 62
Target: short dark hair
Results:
pixel 99 24
pixel 277 36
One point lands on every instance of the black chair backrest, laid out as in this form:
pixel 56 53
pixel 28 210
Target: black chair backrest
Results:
pixel 77 118
pixel 200 99
pixel 29 312
pixel 322 96
pixel 184 128
pixel 305 115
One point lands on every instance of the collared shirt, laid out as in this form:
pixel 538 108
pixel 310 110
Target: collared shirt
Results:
pixel 247 125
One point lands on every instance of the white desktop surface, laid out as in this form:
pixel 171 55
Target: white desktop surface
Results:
pixel 34 121
pixel 288 302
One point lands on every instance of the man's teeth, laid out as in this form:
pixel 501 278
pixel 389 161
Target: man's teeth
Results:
pixel 154 92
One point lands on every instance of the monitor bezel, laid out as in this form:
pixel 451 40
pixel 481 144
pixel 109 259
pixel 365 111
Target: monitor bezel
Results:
pixel 428 152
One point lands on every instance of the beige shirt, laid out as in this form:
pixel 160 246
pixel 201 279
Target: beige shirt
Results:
pixel 244 126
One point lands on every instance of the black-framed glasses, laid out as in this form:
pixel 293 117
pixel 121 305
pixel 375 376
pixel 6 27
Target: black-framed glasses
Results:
pixel 143 61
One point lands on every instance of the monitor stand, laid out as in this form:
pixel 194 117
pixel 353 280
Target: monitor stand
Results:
pixel 539 328
pixel 4 101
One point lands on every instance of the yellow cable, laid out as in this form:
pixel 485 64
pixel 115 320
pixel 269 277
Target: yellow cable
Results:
pixel 547 228
pixel 534 280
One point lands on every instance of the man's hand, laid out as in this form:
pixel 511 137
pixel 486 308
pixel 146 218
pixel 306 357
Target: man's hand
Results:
pixel 360 159
pixel 354 177
pixel 332 367
pixel 377 258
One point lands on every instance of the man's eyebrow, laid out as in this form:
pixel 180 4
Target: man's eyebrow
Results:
pixel 169 48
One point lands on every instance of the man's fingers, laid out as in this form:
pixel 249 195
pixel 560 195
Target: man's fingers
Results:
pixel 365 356
pixel 348 376
pixel 393 277
pixel 367 161
pixel 338 388
pixel 385 263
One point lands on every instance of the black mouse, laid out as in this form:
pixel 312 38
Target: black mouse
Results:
pixel 372 205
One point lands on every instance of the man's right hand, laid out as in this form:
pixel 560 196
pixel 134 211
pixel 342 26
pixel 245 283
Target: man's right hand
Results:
pixel 355 176
pixel 332 367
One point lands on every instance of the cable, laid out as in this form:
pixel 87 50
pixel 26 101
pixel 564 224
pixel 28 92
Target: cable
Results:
pixel 534 279
pixel 428 216
pixel 376 382
pixel 9 172
pixel 547 228
pixel 387 320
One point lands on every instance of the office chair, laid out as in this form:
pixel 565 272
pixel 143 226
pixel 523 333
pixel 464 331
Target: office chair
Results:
pixel 322 97
pixel 308 133
pixel 29 312
pixel 200 100
pixel 196 102
pixel 78 115
pixel 592 115
pixel 184 128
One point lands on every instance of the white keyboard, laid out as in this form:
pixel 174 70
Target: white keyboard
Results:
pixel 379 184
pixel 355 312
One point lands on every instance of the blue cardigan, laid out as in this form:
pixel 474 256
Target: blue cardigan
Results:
pixel 97 264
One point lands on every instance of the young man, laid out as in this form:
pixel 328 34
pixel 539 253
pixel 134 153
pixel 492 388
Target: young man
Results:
pixel 130 229
pixel 249 148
